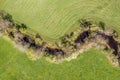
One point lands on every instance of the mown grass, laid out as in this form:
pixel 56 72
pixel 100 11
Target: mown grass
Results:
pixel 53 18
pixel 91 65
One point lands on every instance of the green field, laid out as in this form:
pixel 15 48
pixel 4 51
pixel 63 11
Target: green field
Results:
pixel 53 18
pixel 92 65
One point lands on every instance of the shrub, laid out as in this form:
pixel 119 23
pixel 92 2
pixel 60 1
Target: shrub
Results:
pixel 84 23
pixel 23 26
pixel 102 25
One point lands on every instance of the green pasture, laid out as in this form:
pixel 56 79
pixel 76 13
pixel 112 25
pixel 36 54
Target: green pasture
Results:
pixel 54 18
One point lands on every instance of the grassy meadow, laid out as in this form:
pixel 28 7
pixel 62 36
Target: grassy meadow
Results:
pixel 91 65
pixel 52 19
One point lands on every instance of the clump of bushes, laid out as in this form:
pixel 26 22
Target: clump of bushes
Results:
pixel 6 16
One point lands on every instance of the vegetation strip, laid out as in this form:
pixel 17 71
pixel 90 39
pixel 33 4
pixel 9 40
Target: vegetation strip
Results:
pixel 95 36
